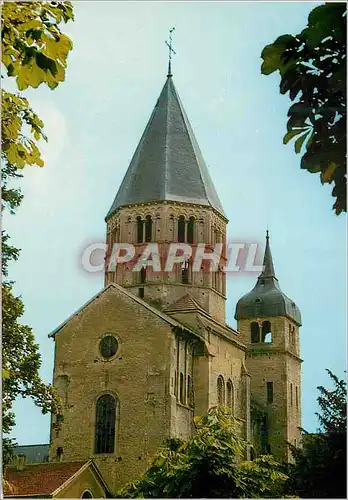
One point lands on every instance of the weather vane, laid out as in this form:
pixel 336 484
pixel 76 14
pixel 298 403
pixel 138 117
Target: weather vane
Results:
pixel 169 44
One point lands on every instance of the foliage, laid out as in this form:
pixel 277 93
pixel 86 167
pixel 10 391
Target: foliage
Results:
pixel 333 407
pixel 18 147
pixel 8 253
pixel 320 467
pixel 263 478
pixel 206 466
pixel 312 66
pixel 22 360
pixel 34 51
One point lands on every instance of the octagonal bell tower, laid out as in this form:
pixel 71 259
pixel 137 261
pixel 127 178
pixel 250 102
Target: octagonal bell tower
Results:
pixel 269 324
pixel 167 196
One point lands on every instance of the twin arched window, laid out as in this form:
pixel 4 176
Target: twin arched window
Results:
pixel 263 334
pixel 144 229
pixel 225 397
pixel 105 425
pixel 186 229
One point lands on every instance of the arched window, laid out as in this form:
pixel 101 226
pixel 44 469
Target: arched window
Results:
pixel 105 424
pixel 148 229
pixel 182 389
pixel 229 395
pixel 190 230
pixel 140 230
pixel 181 229
pixel 266 332
pixel 291 402
pixel 86 494
pixel 221 390
pixel 255 332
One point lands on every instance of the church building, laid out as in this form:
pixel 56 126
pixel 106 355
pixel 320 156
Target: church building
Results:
pixel 137 362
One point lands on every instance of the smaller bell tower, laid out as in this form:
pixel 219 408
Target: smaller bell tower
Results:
pixel 269 323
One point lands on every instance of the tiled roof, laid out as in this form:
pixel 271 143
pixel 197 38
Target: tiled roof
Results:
pixel 187 302
pixel 39 479
pixel 160 314
pixel 167 164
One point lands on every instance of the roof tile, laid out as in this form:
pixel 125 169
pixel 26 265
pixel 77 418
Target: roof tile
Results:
pixel 39 479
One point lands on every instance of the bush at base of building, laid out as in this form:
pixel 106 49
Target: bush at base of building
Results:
pixel 208 465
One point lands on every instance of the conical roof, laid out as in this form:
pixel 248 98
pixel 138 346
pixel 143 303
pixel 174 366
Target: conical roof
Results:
pixel 167 164
pixel 266 299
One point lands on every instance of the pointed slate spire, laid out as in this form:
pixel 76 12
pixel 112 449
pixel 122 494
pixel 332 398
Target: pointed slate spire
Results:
pixel 167 164
pixel 268 267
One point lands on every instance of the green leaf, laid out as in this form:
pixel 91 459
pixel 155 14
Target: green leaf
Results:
pixel 292 133
pixel 327 174
pixel 300 141
pixel 272 56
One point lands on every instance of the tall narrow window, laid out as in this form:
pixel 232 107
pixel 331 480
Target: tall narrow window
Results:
pixel 148 229
pixel 105 424
pixel 181 229
pixel 258 307
pixel 229 395
pixel 190 230
pixel 221 390
pixel 266 332
pixel 291 402
pixel 255 332
pixel 140 230
pixel 189 391
pixel 143 275
pixel 182 389
pixel 293 336
pixel 269 392
pixel 175 383
pixel 296 396
pixel 290 335
pixel 185 273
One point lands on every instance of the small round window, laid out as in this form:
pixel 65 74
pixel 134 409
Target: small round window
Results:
pixel 108 346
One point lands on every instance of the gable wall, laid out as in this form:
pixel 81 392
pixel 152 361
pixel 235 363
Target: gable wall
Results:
pixel 138 376
pixel 87 480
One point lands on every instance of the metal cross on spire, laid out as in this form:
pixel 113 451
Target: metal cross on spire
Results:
pixel 169 44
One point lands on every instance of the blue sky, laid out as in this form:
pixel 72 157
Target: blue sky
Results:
pixel 94 121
